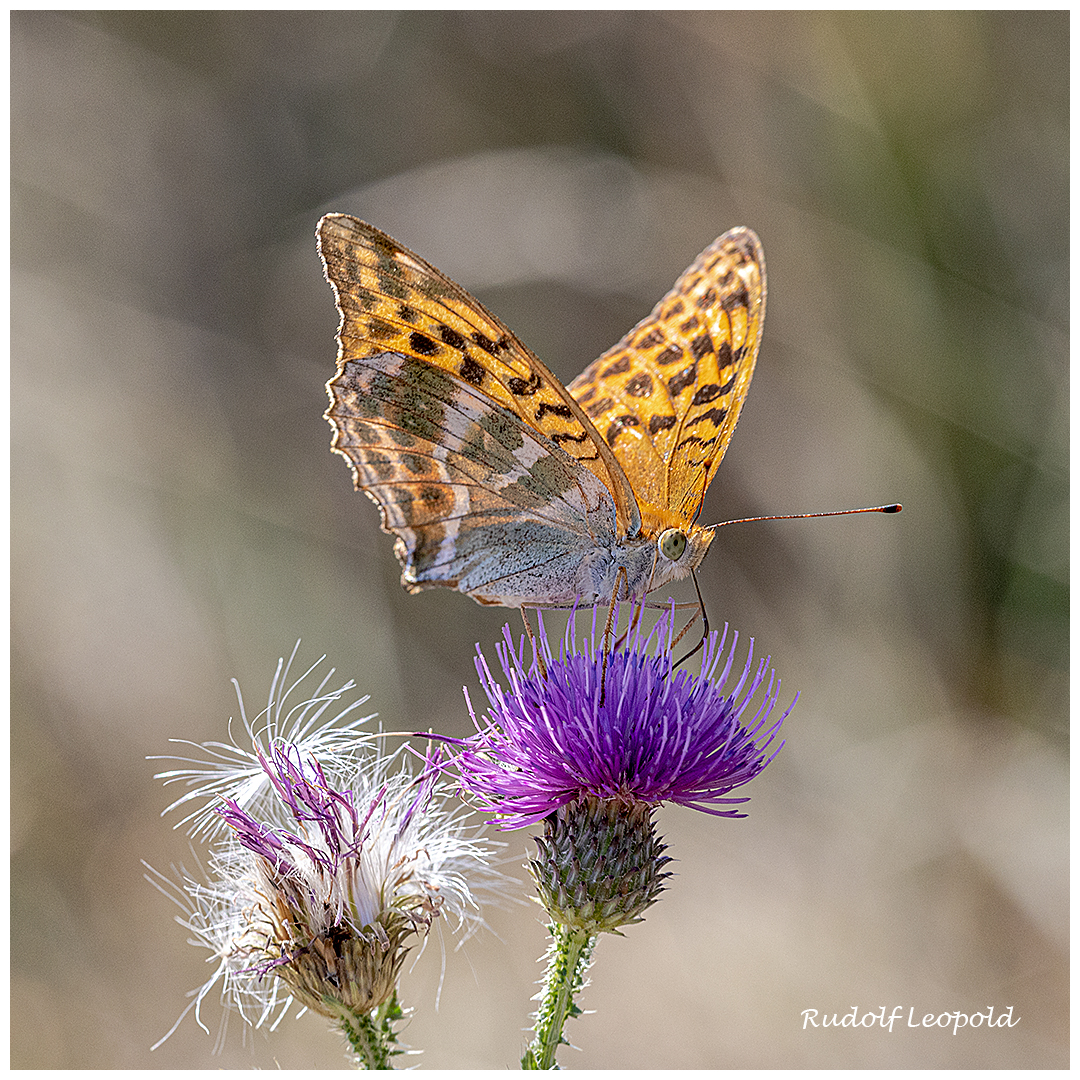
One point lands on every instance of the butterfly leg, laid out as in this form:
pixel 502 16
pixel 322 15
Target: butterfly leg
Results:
pixel 620 583
pixel 697 609
pixel 637 610
pixel 682 634
pixel 705 630
pixel 540 662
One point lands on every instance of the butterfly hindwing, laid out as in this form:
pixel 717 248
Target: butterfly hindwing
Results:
pixel 478 500
pixel 667 397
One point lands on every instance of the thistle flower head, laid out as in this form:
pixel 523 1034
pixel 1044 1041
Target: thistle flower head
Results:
pixel 592 742
pixel 344 884
pixel 622 725
pixel 331 869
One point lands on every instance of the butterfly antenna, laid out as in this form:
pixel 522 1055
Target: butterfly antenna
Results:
pixel 705 625
pixel 892 508
pixel 537 654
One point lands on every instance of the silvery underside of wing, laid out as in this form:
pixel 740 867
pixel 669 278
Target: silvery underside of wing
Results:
pixel 478 500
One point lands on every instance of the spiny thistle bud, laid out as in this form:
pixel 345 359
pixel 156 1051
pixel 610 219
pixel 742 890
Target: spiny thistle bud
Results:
pixel 599 864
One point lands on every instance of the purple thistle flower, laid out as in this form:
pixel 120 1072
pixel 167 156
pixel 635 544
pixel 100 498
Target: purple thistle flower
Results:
pixel 652 735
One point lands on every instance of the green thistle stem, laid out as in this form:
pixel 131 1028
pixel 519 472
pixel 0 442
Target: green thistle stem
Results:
pixel 371 1035
pixel 569 956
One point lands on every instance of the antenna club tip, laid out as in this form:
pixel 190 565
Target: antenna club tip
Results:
pixel 894 509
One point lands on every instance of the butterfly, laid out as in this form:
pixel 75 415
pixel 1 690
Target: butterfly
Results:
pixel 500 482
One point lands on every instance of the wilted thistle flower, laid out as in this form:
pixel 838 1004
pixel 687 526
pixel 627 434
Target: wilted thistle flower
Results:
pixel 591 742
pixel 331 871
pixel 342 894
pixel 235 770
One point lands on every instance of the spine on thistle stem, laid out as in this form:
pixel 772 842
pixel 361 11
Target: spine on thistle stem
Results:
pixel 371 1035
pixel 569 956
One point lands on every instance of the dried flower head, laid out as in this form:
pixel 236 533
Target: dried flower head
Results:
pixel 333 866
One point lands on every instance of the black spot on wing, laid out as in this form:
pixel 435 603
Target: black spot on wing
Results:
pixel 380 330
pixel 556 410
pixel 714 416
pixel 685 378
pixel 452 338
pixel 437 498
pixel 740 298
pixel 566 436
pixel 618 425
pixel 364 299
pixel 701 345
pixel 489 346
pixel 422 344
pixel 484 342
pixel 704 394
pixel 523 387
pixel 472 372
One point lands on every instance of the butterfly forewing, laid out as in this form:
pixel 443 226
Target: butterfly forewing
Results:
pixel 392 301
pixel 667 397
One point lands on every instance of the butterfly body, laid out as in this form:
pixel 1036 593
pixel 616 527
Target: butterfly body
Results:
pixel 499 481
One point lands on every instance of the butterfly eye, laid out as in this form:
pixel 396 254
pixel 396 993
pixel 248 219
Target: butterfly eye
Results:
pixel 672 544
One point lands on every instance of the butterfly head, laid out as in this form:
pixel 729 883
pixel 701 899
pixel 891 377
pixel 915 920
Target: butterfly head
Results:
pixel 672 544
pixel 679 550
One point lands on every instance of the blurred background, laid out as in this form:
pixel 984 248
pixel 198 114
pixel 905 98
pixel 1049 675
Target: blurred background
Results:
pixel 178 518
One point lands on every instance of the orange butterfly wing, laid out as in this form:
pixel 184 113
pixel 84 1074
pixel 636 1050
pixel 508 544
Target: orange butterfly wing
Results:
pixel 393 301
pixel 667 397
